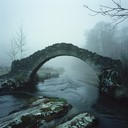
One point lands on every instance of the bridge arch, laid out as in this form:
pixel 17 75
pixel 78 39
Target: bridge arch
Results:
pixel 31 64
pixel 54 55
pixel 59 59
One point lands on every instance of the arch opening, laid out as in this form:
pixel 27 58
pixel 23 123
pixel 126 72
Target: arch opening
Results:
pixel 78 81
pixel 70 64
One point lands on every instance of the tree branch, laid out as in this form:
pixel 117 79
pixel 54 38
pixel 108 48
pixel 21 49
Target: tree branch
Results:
pixel 118 12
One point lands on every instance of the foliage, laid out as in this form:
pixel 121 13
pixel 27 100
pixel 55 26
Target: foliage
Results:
pixel 56 100
pixel 20 77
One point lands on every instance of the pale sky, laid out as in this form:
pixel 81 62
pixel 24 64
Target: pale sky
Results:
pixel 46 22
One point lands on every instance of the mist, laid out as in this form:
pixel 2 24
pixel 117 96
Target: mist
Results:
pixel 44 23
pixel 47 22
pixel 95 85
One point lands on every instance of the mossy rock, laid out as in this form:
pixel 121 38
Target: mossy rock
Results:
pixel 52 99
pixel 38 111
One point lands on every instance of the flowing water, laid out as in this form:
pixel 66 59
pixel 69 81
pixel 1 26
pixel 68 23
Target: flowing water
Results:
pixel 81 91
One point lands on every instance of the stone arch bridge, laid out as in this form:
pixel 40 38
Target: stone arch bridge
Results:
pixel 29 66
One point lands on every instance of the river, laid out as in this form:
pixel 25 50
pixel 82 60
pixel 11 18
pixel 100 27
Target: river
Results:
pixel 80 89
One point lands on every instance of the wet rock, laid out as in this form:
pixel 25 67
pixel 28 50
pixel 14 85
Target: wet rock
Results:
pixel 84 120
pixel 8 85
pixel 111 85
pixel 38 112
pixel 11 85
pixel 110 81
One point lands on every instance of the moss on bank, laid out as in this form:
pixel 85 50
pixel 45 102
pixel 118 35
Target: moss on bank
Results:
pixel 38 112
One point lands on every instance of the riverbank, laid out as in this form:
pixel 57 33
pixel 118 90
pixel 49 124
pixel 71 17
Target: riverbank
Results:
pixel 38 112
pixel 82 94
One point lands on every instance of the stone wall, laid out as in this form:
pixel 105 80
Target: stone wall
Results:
pixel 31 64
pixel 107 69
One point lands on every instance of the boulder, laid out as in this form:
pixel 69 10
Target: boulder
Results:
pixel 84 120
pixel 110 81
pixel 37 112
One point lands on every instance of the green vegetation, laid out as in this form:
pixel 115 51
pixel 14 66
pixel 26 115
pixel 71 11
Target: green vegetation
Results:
pixel 4 70
pixel 52 99
pixel 20 77
pixel 39 111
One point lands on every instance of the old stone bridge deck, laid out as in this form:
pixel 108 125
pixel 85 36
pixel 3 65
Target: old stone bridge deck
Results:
pixel 29 66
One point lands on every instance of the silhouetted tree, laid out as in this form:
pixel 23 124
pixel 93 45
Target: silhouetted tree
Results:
pixel 112 43
pixel 13 51
pixel 117 12
pixel 124 53
pixel 124 46
pixel 20 42
pixel 17 44
pixel 101 39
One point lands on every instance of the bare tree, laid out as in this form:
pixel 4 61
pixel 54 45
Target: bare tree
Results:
pixel 117 12
pixel 101 39
pixel 20 42
pixel 124 45
pixel 17 45
pixel 13 51
pixel 124 54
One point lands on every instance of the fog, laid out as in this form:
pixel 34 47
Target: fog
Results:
pixel 45 22
pixel 27 26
